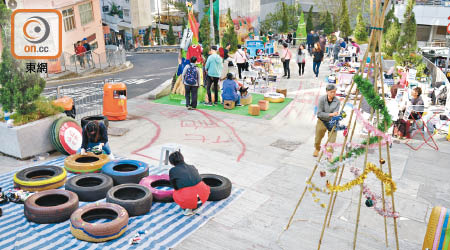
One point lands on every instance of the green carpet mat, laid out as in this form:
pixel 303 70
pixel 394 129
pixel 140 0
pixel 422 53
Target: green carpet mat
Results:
pixel 274 108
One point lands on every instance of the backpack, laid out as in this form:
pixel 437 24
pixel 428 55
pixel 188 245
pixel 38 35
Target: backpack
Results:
pixel 191 75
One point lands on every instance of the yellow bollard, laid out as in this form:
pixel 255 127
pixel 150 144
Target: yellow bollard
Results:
pixel 448 134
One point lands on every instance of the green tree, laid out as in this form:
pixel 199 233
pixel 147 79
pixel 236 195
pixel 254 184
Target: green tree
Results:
pixel 170 36
pixel 183 25
pixel 344 26
pixel 273 23
pixel 328 27
pixel 309 20
pixel 301 28
pixel 335 23
pixel 390 18
pixel 230 36
pixel 157 36
pixel 407 44
pixel 204 34
pixel 284 18
pixel 390 40
pixel 360 29
pixel 147 37
pixel 19 89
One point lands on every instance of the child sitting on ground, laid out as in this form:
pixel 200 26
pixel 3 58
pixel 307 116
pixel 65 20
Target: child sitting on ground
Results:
pixel 190 191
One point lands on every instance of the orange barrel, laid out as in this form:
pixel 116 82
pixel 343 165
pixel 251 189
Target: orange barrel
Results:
pixel 64 102
pixel 115 101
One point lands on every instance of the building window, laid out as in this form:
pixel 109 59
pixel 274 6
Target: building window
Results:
pixel 69 19
pixel 105 8
pixel 126 13
pixel 441 30
pixel 94 46
pixel 86 13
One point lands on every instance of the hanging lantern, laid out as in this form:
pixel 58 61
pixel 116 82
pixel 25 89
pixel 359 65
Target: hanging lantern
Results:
pixel 369 203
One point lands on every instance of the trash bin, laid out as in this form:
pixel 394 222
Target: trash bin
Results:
pixel 115 101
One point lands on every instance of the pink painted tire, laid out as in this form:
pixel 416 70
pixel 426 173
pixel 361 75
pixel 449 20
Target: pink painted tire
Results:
pixel 153 181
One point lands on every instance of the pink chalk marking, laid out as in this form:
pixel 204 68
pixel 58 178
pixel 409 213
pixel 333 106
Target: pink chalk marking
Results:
pixel 202 138
pixel 292 105
pixel 244 147
pixel 153 140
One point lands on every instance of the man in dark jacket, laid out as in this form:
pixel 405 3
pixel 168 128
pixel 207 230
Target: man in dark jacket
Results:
pixel 87 46
pixel 309 41
pixel 190 191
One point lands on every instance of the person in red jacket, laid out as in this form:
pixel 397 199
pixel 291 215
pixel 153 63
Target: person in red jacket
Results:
pixel 190 191
pixel 80 51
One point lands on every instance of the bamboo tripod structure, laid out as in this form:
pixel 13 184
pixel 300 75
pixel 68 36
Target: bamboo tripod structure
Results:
pixel 377 14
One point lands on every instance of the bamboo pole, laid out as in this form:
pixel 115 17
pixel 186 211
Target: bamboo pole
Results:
pixel 375 20
pixel 361 68
pixel 314 170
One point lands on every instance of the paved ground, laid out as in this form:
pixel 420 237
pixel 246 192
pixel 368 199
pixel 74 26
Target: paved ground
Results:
pixel 271 160
pixel 149 71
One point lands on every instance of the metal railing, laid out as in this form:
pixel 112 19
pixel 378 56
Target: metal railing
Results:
pixel 438 76
pixel 91 60
pixel 428 2
pixel 158 49
pixel 436 73
pixel 87 97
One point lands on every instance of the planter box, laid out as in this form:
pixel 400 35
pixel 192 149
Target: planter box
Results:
pixel 27 140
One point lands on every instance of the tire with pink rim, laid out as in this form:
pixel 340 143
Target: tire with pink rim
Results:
pixel 155 183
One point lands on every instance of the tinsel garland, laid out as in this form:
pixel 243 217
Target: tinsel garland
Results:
pixel 376 198
pixel 311 188
pixel 390 185
pixel 377 103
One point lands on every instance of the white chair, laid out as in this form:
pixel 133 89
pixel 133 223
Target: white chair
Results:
pixel 166 150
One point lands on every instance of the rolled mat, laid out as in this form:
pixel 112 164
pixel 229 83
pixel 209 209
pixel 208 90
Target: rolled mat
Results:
pixel 437 236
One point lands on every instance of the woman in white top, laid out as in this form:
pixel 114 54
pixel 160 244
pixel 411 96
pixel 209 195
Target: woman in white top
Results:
pixel 301 59
pixel 240 58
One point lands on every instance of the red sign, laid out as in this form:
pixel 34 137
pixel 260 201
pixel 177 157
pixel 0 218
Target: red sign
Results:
pixel 70 136
pixel 448 26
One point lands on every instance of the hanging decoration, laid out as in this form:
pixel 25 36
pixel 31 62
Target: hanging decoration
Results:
pixel 375 200
pixel 385 178
pixel 312 188
pixel 377 103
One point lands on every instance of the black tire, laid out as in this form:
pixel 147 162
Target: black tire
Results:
pixel 135 198
pixel 40 178
pixel 90 187
pixel 220 186
pixel 99 118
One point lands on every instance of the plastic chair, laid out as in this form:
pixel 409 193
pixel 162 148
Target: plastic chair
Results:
pixel 166 150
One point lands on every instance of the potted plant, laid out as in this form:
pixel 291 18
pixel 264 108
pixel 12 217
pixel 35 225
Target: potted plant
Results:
pixel 32 115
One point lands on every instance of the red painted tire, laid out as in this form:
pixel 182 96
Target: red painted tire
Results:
pixel 50 206
pixel 154 181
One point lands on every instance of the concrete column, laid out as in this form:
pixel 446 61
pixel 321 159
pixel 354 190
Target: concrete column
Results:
pixel 432 32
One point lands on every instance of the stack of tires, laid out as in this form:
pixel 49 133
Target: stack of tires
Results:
pixel 126 185
pixel 66 135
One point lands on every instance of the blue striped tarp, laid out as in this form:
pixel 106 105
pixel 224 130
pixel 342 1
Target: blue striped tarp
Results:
pixel 165 223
